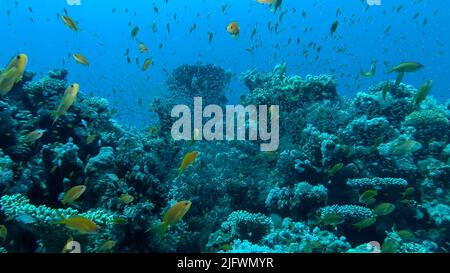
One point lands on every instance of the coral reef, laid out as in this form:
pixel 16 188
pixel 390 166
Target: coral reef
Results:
pixel 332 151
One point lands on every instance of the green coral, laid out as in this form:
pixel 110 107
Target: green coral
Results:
pixel 429 124
pixel 427 118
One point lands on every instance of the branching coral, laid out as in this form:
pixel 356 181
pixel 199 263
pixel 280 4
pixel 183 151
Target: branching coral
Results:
pixel 377 183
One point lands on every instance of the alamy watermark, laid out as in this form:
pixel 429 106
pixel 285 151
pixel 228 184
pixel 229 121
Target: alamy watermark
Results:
pixel 233 125
pixel 374 2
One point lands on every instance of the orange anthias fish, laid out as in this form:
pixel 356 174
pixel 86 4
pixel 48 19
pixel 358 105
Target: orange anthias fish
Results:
pixel 81 224
pixel 171 217
pixel 68 99
pixel 72 194
pixel 234 29
pixel 79 58
pixel 188 159
pixel 143 48
pixel 70 23
pixel 276 4
pixel 13 73
pixel 33 136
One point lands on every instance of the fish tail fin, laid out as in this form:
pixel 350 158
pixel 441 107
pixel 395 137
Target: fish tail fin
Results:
pixel 179 171
pixel 399 78
pixel 159 230
pixel 55 116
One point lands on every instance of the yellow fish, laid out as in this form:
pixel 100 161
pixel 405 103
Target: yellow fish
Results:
pixel 406 147
pixel 68 99
pixel 81 224
pixel 147 63
pixel 106 246
pixel 13 73
pixel 79 58
pixel 335 169
pixel 120 220
pixel 371 72
pixel 399 78
pixel 171 217
pixel 423 92
pixel 332 219
pixel 384 209
pixel 69 22
pixel 188 159
pixel 72 194
pixel 406 67
pixel 367 195
pixel 143 48
pixel 365 223
pixel 408 193
pixel 7 80
pixel 33 136
pixel 405 234
pixel 90 138
pixel 134 32
pixel 233 29
pixel 126 198
pixel 3 232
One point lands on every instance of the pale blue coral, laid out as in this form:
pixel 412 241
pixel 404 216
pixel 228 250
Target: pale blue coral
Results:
pixel 377 183
pixel 351 212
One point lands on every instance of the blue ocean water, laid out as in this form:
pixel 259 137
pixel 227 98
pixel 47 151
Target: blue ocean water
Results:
pixel 417 33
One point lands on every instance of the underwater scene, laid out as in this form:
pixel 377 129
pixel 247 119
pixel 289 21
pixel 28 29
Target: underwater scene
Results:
pixel 231 126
